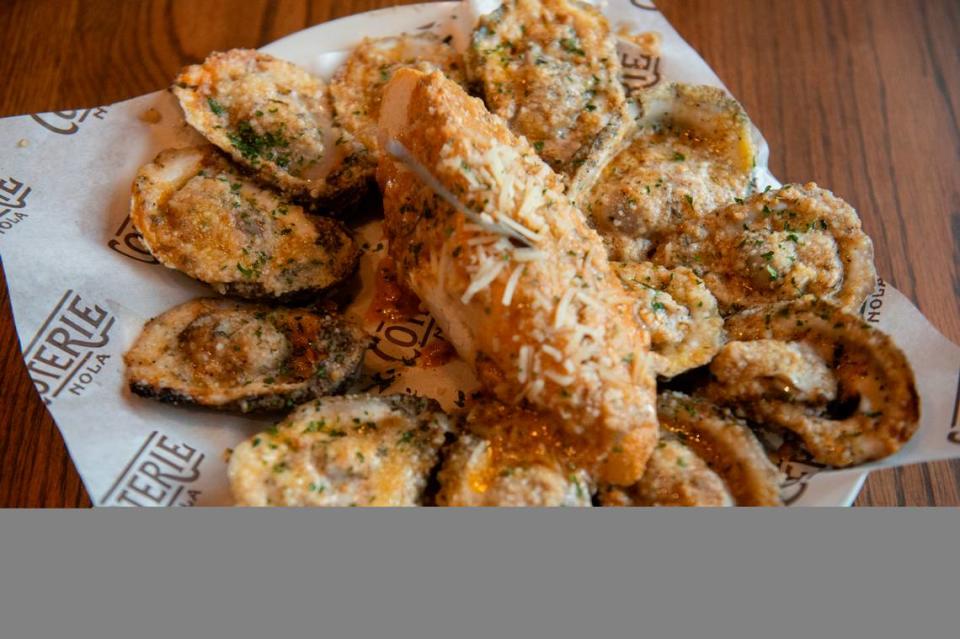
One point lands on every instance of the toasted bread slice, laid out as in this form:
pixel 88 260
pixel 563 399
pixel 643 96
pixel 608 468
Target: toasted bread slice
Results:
pixel 482 230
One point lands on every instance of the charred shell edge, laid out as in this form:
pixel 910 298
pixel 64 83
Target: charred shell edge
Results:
pixel 254 403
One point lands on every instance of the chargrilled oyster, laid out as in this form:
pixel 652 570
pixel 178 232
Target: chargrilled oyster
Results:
pixel 675 476
pixel 873 406
pixel 509 456
pixel 356 450
pixel 726 444
pixel 767 369
pixel 235 355
pixel 198 214
pixel 777 245
pixel 678 310
pixel 550 69
pixel 357 86
pixel 691 153
pixel 275 118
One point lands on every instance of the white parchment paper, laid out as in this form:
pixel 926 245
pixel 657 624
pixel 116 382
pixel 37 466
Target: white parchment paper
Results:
pixel 82 286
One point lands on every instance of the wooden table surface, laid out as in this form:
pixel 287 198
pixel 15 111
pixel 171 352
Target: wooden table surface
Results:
pixel 862 96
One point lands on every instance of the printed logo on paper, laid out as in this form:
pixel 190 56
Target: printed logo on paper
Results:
pixel 68 122
pixel 397 345
pixel 67 353
pixel 954 435
pixel 798 476
pixel 405 342
pixel 161 473
pixel 13 203
pixel 128 242
pixel 641 69
pixel 872 308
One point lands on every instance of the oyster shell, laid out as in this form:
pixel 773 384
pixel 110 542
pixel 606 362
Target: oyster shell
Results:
pixel 692 152
pixel 509 456
pixel 274 118
pixel 726 444
pixel 777 245
pixel 198 214
pixel 679 312
pixel 234 355
pixel 550 68
pixel 355 450
pixel 876 409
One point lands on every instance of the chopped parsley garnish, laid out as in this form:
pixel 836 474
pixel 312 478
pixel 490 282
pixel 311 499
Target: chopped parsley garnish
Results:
pixel 657 306
pixel 314 427
pixel 678 157
pixel 215 106
pixel 572 46
pixel 772 272
pixel 573 480
pixel 255 146
pixel 253 271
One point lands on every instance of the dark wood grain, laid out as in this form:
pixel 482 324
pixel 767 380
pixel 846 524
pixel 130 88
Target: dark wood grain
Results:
pixel 860 95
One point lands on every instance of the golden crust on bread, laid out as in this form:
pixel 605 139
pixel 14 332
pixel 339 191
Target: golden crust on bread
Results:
pixel 519 283
pixel 357 86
